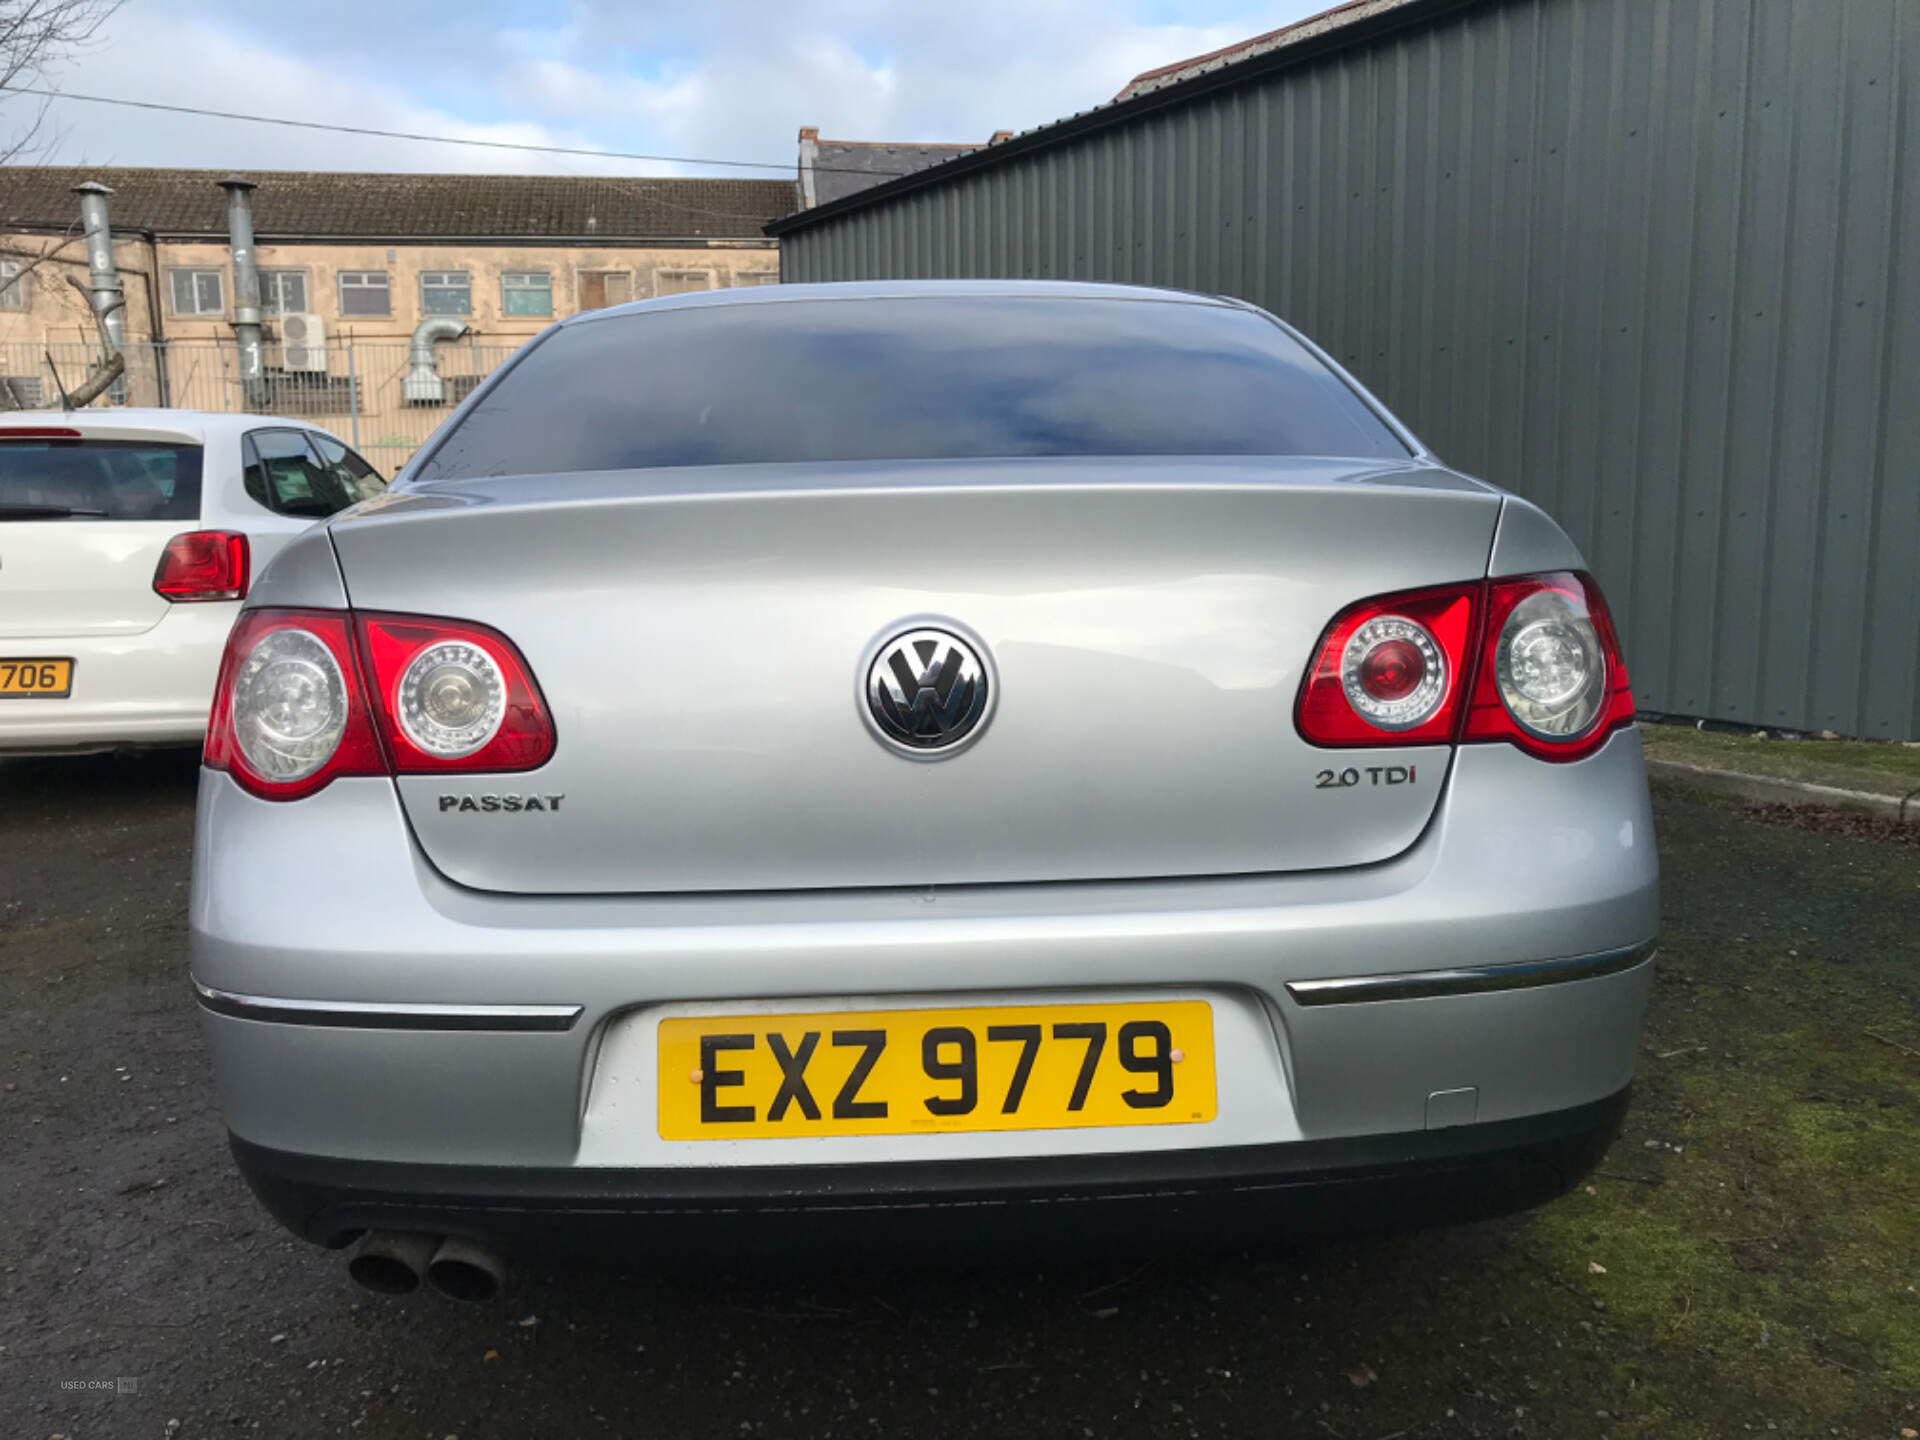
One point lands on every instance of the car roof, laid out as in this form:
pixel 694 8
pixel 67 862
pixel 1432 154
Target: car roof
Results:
pixel 903 290
pixel 170 426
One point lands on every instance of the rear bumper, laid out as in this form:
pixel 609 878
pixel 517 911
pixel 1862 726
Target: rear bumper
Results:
pixel 325 910
pixel 1191 1198
pixel 153 688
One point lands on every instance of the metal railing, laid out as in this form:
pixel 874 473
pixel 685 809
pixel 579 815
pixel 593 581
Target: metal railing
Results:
pixel 352 387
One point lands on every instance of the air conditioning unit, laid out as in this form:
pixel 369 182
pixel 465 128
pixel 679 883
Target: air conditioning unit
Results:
pixel 303 343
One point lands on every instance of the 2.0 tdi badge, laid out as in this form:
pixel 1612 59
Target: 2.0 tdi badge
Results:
pixel 928 692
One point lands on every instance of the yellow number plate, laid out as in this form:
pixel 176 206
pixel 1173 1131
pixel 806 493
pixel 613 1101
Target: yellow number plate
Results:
pixel 911 1072
pixel 47 679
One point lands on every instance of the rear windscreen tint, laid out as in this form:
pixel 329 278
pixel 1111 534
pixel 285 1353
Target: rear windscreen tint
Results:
pixel 919 378
pixel 94 480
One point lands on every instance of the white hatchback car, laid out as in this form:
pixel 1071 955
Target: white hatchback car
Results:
pixel 127 542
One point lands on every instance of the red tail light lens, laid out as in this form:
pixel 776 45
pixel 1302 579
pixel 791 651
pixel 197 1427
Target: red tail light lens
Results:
pixel 289 710
pixel 1390 671
pixel 1550 677
pixel 203 565
pixel 1533 661
pixel 305 696
pixel 453 696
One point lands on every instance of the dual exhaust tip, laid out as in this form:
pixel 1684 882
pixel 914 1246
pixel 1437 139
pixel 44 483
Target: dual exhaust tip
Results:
pixel 395 1262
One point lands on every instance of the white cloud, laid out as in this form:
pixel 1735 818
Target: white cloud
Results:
pixel 725 79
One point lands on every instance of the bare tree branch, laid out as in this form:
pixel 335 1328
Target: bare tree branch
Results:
pixel 95 385
pixel 112 365
pixel 34 259
pixel 35 37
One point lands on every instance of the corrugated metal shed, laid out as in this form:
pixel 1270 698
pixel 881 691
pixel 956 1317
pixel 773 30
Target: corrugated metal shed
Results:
pixel 1652 263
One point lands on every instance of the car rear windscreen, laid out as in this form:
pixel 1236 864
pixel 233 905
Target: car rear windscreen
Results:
pixel 98 480
pixel 908 378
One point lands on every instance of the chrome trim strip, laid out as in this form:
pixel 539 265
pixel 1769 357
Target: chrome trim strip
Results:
pixel 1468 980
pixel 359 1015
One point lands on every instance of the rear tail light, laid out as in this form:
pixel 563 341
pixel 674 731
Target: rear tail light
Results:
pixel 289 709
pixel 203 565
pixel 1389 670
pixel 1550 677
pixel 1533 661
pixel 453 696
pixel 305 696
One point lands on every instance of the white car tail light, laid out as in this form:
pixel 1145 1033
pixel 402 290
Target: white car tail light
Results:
pixel 203 565
pixel 1532 661
pixel 305 696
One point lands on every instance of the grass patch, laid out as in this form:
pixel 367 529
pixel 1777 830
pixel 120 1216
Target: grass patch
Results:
pixel 1759 1220
pixel 1877 767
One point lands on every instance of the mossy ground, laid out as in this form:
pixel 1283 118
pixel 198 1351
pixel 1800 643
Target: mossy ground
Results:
pixel 1759 1219
pixel 1876 767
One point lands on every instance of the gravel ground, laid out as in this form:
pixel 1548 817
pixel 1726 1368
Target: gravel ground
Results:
pixel 1745 1260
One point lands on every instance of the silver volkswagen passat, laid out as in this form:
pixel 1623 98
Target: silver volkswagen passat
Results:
pixel 965 756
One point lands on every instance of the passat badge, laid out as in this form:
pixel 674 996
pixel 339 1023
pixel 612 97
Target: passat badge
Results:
pixel 500 804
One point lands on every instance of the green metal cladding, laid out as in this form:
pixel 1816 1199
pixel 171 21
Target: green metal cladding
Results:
pixel 1654 264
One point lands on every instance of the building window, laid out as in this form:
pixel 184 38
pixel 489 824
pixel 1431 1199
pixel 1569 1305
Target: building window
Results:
pixel 364 292
pixel 445 292
pixel 682 282
pixel 16 285
pixel 283 292
pixel 765 277
pixel 601 288
pixel 197 292
pixel 525 292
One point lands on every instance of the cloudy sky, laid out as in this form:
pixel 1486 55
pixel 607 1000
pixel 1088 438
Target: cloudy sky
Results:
pixel 728 79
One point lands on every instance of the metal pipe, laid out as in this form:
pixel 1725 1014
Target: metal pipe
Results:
pixel 423 385
pixel 353 395
pixel 390 1262
pixel 246 287
pixel 466 1270
pixel 103 279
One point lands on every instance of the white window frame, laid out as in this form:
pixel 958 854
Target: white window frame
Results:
pixel 270 276
pixel 16 285
pixel 579 286
pixel 546 287
pixel 440 280
pixel 359 286
pixel 660 276
pixel 199 272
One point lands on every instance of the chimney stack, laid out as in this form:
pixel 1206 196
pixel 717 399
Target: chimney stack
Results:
pixel 246 288
pixel 103 276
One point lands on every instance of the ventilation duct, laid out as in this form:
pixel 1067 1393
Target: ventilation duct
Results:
pixel 423 385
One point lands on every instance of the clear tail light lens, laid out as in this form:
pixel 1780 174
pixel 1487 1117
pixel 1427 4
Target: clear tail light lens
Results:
pixel 288 709
pixel 450 695
pixel 1551 678
pixel 305 696
pixel 289 704
pixel 1533 661
pixel 203 565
